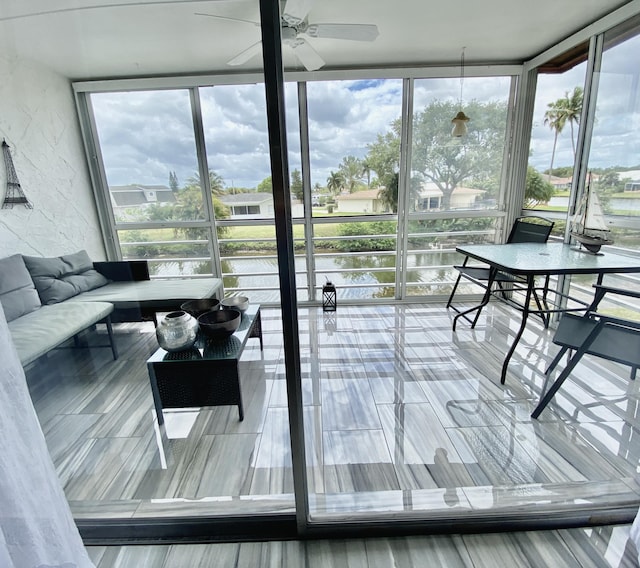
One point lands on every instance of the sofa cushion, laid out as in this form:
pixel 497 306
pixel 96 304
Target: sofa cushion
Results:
pixel 38 333
pixel 63 277
pixel 17 291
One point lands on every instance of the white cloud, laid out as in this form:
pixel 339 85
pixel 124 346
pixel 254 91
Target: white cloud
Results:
pixel 146 135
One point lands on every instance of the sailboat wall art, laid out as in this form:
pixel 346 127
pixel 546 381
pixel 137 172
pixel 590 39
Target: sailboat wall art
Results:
pixel 588 226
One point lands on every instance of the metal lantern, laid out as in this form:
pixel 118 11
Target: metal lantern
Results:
pixel 329 297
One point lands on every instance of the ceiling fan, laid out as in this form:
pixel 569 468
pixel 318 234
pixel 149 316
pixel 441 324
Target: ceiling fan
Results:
pixel 295 31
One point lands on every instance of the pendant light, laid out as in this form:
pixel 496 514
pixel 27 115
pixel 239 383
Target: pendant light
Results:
pixel 460 120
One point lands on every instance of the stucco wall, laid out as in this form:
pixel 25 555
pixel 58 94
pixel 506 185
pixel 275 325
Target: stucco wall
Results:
pixel 39 122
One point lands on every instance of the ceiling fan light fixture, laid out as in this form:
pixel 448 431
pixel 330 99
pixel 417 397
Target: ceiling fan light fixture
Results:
pixel 459 122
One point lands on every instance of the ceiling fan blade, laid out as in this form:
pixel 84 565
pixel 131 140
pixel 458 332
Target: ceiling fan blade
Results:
pixel 307 55
pixel 295 11
pixel 356 32
pixel 257 24
pixel 247 54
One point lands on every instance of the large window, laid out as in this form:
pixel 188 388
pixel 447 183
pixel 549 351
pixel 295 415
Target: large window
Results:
pixel 457 173
pixel 552 153
pixel 354 146
pixel 614 159
pixel 237 144
pixel 452 178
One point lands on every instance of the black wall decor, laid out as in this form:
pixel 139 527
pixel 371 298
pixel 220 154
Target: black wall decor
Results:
pixel 14 194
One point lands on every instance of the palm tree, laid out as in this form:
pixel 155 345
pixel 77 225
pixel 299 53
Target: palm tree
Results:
pixel 556 121
pixel 572 109
pixel 216 182
pixel 351 170
pixel 335 182
pixel 366 171
pixel 567 109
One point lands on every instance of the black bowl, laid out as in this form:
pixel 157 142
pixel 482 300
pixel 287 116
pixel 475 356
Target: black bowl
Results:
pixel 198 307
pixel 220 323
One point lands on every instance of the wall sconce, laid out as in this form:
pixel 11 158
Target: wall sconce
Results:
pixel 329 297
pixel 460 120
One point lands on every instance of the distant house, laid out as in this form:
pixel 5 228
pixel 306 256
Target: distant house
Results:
pixel 430 198
pixel 366 201
pixel 249 205
pixel 559 183
pixel 633 180
pixel 137 196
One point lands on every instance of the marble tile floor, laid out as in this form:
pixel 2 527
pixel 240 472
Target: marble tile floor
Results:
pixel 401 415
pixel 607 546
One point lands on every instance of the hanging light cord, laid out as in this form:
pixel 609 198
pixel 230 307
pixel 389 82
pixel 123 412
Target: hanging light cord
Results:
pixel 461 74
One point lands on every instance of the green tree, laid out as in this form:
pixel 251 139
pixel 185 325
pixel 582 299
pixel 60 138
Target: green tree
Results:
pixel 173 181
pixel 189 205
pixel 609 180
pixel 383 156
pixel 362 242
pixel 389 193
pixel 366 171
pixel 296 184
pixel 351 170
pixel 437 157
pixel 216 182
pixel 448 162
pixel 335 182
pixel 537 189
pixel 265 186
pixel 560 112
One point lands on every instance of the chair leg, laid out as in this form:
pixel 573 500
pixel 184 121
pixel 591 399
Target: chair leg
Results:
pixel 556 360
pixel 455 286
pixel 548 395
pixel 453 291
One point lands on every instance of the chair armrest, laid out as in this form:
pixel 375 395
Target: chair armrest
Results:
pixel 123 271
pixel 602 289
pixel 612 321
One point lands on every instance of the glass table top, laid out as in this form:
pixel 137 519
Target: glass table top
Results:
pixel 549 258
pixel 207 348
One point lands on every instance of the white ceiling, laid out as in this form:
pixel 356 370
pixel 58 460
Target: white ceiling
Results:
pixel 90 39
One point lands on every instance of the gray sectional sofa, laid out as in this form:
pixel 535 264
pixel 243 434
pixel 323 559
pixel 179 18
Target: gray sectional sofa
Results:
pixel 48 301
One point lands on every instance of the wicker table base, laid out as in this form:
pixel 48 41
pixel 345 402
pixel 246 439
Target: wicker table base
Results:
pixel 207 374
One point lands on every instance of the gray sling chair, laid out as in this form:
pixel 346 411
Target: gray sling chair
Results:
pixel 611 338
pixel 525 230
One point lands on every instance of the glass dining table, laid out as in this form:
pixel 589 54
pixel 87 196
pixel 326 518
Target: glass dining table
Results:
pixel 524 262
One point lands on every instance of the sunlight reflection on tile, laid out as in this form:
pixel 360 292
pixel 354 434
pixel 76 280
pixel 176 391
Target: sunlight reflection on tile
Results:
pixel 355 446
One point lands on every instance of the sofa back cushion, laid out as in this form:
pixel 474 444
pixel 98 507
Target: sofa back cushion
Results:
pixel 17 291
pixel 62 277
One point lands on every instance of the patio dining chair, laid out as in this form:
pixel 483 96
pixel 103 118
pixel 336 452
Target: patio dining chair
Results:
pixel 525 230
pixel 608 337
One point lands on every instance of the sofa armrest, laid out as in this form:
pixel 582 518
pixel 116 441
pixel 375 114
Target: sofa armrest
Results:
pixel 124 271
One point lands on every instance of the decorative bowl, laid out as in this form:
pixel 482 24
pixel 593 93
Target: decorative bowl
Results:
pixel 236 302
pixel 220 323
pixel 177 331
pixel 198 307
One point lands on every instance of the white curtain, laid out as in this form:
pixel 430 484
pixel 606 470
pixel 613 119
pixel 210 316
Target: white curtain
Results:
pixel 634 535
pixel 36 526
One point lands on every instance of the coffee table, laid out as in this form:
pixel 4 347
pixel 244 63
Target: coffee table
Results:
pixel 205 375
